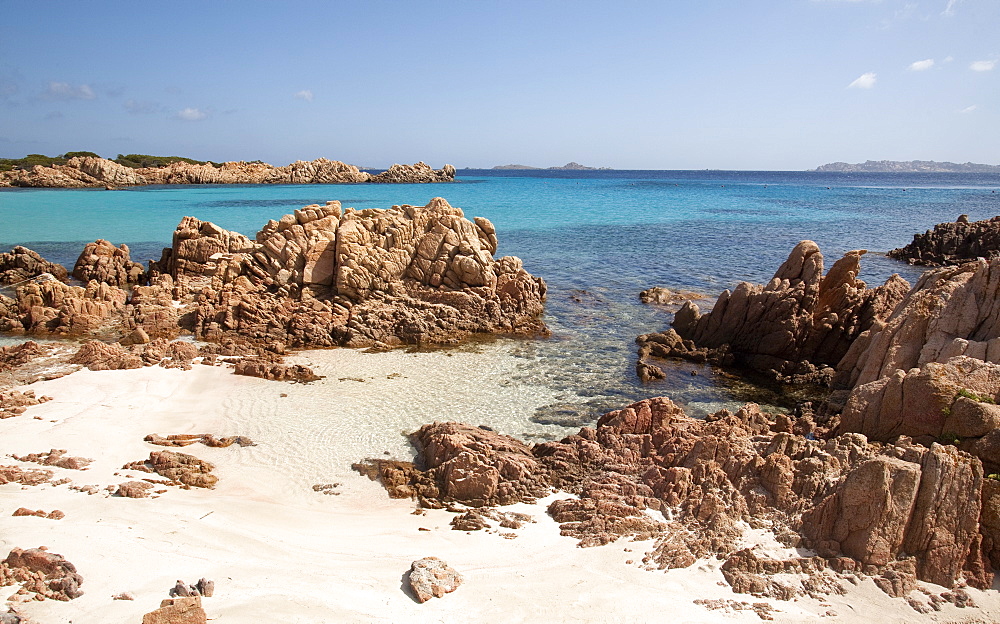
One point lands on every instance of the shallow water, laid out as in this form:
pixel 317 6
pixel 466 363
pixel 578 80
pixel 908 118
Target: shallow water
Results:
pixel 598 238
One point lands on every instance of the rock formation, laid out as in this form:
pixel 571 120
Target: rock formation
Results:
pixel 45 574
pixel 953 243
pixel 796 327
pixel 104 262
pixel 432 578
pixel 897 512
pixel 181 468
pixel 320 277
pixel 180 610
pixel 21 264
pixel 90 171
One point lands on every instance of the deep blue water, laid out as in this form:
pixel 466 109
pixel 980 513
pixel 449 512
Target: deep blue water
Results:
pixel 597 237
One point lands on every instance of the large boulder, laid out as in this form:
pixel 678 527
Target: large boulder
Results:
pixel 21 263
pixel 104 262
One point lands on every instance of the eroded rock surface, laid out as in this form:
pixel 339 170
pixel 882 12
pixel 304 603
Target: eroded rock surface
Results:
pixel 952 243
pixel 41 573
pixel 897 512
pixel 797 327
pixel 320 277
pixel 432 578
pixel 21 263
pixel 104 262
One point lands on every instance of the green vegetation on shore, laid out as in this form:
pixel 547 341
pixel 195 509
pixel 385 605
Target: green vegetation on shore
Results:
pixel 134 161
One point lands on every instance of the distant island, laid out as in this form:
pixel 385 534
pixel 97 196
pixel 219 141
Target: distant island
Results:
pixel 907 166
pixel 571 166
pixel 87 169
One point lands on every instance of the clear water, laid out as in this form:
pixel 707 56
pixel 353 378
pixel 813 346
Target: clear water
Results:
pixel 598 239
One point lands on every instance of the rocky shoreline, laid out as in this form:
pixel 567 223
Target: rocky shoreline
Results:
pixel 323 276
pixel 92 171
pixel 893 483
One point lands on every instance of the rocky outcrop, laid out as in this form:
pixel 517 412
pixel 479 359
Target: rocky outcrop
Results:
pixel 90 171
pixel 952 243
pixel 21 263
pixel 180 610
pixel 465 464
pixel 326 276
pixel 15 402
pixel 897 512
pixel 181 468
pixel 48 306
pixel 417 173
pixel 432 578
pixel 104 262
pixel 275 371
pixel 44 574
pixel 320 277
pixel 797 327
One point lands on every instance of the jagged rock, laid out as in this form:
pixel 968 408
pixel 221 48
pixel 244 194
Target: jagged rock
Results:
pixel 97 355
pixel 38 513
pixel 56 457
pixel 901 512
pixel 276 372
pixel 16 474
pixel 180 610
pixel 21 264
pixel 432 578
pixel 180 467
pixel 104 262
pixel 48 306
pixel 790 328
pixel 417 173
pixel 134 489
pixel 15 402
pixel 952 243
pixel 46 574
pixel 90 171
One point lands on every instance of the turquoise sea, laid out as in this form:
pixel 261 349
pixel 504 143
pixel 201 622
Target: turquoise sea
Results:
pixel 597 237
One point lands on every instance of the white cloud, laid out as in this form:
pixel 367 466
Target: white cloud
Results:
pixel 982 66
pixel 922 65
pixel 304 94
pixel 191 114
pixel 948 59
pixel 968 109
pixel 864 81
pixel 66 91
pixel 139 107
pixel 950 9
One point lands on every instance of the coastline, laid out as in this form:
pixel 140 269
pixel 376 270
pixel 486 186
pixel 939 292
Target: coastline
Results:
pixel 274 545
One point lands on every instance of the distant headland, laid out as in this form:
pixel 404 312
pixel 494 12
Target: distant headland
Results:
pixel 906 166
pixel 87 169
pixel 570 166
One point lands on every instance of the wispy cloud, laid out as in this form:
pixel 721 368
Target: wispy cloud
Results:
pixel 65 91
pixel 921 65
pixel 304 94
pixel 968 109
pixel 864 81
pixel 191 114
pixel 982 66
pixel 950 9
pixel 140 107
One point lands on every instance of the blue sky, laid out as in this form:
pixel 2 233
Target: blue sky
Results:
pixel 781 84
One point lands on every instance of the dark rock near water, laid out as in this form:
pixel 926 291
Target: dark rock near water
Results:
pixel 953 243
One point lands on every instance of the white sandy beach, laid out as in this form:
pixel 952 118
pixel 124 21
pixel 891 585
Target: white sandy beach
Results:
pixel 279 551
